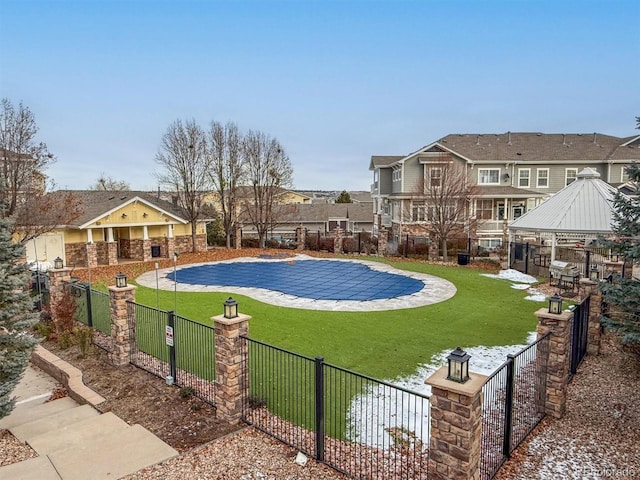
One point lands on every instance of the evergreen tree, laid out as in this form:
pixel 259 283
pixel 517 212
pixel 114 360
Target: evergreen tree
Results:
pixel 16 318
pixel 344 197
pixel 624 293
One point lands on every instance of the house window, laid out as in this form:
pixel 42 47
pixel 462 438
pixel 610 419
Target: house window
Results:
pixel 490 243
pixel 570 175
pixel 524 175
pixel 484 209
pixel 435 177
pixel 542 178
pixel 418 212
pixel 625 175
pixel 396 174
pixel 489 176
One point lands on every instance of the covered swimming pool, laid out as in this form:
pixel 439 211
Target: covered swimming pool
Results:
pixel 307 282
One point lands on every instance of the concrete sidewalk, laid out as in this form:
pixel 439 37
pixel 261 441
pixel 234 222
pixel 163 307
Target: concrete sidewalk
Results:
pixel 74 441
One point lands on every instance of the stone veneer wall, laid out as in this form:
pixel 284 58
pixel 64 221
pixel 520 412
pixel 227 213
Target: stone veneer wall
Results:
pixel 102 253
pixel 183 243
pixel 76 254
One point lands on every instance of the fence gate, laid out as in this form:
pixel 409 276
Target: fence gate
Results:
pixel 580 331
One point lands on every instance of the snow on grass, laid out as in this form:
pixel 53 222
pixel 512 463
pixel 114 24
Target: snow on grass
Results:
pixel 392 411
pixel 523 282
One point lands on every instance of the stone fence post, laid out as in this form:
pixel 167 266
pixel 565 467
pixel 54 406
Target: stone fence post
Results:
pixel 57 278
pixel 301 237
pixel 559 358
pixel 238 236
pixel 383 238
pixel 231 376
pixel 456 426
pixel 122 327
pixel 337 245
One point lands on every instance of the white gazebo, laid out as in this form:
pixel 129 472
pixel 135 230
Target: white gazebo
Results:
pixel 580 212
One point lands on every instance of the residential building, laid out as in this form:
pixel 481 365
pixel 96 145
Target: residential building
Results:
pixel 512 173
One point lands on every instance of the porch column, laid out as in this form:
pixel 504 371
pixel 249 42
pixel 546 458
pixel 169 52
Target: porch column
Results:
pixel 110 234
pixel 89 235
pixel 554 240
pixel 145 233
pixel 169 231
pixel 92 255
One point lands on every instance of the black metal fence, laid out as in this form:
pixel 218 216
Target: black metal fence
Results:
pixel 579 333
pixel 93 310
pixel 174 348
pixel 358 425
pixel 514 403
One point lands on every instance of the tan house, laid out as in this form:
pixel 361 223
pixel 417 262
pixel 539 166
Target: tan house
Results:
pixel 512 172
pixel 114 226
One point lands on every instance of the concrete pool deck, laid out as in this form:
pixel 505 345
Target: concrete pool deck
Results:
pixel 435 289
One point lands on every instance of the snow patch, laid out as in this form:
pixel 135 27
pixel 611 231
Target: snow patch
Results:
pixel 513 275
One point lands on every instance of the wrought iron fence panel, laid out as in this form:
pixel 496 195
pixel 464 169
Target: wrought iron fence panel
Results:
pixel 579 333
pixel 278 397
pixel 194 345
pixel 78 292
pixel 374 429
pixel 100 311
pixel 148 347
pixel 493 423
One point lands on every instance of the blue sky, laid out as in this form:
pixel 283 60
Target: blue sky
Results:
pixel 334 81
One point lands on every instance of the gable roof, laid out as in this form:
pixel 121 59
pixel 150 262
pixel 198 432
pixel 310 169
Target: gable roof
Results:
pixel 583 206
pixel 384 160
pixel 94 204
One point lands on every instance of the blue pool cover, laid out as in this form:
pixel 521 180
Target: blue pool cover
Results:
pixel 315 279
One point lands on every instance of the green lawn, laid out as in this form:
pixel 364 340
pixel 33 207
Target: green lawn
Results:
pixel 387 344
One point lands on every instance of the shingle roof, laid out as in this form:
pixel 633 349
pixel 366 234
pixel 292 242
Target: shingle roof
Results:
pixel 583 206
pixel 321 212
pixel 540 147
pixel 383 160
pixel 94 203
pixel 507 190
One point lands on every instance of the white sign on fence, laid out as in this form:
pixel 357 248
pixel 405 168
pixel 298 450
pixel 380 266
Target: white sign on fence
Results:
pixel 169 335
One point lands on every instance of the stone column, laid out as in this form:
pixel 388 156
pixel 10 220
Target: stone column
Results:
pixel 146 250
pixel 383 238
pixel 92 255
pixel 231 376
pixel 301 237
pixel 57 279
pixel 169 246
pixel 589 287
pixel 434 248
pixel 122 327
pixel 456 426
pixel 337 243
pixel 238 242
pixel 112 253
pixel 559 360
pixel 613 267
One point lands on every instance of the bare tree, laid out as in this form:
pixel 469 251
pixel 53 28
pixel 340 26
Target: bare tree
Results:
pixel 440 201
pixel 105 182
pixel 23 183
pixel 269 170
pixel 227 172
pixel 185 163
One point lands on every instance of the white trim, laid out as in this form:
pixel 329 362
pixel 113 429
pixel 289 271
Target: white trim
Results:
pixel 538 170
pixel 488 170
pixel 528 170
pixel 566 175
pixel 134 199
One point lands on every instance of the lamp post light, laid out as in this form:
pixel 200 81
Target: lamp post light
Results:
pixel 230 308
pixel 458 366
pixel 555 304
pixel 121 280
pixel 594 274
pixel 58 263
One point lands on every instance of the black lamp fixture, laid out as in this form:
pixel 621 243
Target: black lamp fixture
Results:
pixel 58 263
pixel 230 308
pixel 594 274
pixel 121 280
pixel 555 304
pixel 124 215
pixel 458 366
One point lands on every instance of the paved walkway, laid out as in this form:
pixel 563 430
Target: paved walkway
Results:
pixel 74 441
pixel 435 289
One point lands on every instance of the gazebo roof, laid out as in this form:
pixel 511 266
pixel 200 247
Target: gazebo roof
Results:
pixel 583 206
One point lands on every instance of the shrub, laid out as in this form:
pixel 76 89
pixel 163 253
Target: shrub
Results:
pixel 63 313
pixel 186 392
pixel 83 336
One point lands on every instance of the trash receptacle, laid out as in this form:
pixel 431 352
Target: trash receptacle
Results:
pixel 463 258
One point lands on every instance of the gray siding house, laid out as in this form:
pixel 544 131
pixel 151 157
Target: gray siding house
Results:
pixel 512 173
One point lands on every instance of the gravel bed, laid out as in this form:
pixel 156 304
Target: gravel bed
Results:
pixel 13 450
pixel 245 455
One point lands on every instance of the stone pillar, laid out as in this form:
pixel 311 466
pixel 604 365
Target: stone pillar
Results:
pixel 559 358
pixel 383 238
pixel 92 255
pixel 337 243
pixel 456 426
pixel 57 279
pixel 301 237
pixel 169 246
pixel 613 267
pixel 112 253
pixel 122 327
pixel 589 287
pixel 146 250
pixel 231 376
pixel 434 248
pixel 238 242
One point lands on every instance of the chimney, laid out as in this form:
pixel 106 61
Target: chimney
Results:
pixel 595 135
pixel 478 139
pixel 509 142
pixel 563 139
